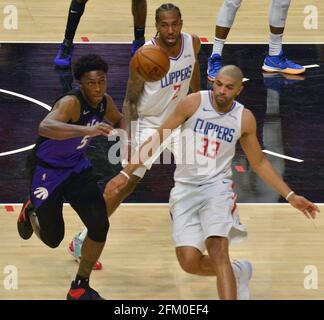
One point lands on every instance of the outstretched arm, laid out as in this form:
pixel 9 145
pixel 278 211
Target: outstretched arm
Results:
pixel 184 110
pixel 265 170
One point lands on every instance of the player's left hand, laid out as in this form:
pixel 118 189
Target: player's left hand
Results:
pixel 115 185
pixel 308 208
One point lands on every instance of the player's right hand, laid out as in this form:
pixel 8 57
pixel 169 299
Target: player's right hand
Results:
pixel 99 129
pixel 308 208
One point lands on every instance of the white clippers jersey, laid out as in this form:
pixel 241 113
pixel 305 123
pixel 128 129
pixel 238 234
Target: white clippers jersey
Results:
pixel 207 143
pixel 160 98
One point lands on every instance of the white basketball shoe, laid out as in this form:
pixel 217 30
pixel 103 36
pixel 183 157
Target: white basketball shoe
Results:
pixel 243 274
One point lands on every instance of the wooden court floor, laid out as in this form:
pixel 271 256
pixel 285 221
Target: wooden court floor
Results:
pixel 103 20
pixel 139 260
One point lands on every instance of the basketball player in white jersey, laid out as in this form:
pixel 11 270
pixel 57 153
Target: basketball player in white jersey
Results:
pixel 202 203
pixel 148 104
pixel 275 61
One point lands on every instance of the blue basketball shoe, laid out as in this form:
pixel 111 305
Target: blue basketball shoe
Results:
pixel 136 44
pixel 280 63
pixel 214 65
pixel 64 56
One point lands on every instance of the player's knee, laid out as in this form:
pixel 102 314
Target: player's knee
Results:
pixel 98 232
pixel 233 4
pixel 227 13
pixel 189 264
pixel 282 3
pixel 95 217
pixel 278 13
pixel 52 242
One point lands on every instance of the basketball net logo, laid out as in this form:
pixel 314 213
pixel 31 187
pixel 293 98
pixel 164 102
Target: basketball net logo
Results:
pixel 41 193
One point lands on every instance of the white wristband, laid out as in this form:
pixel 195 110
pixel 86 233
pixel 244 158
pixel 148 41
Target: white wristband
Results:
pixel 289 195
pixel 125 174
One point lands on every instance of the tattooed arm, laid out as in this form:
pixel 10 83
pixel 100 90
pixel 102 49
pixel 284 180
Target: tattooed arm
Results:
pixel 135 87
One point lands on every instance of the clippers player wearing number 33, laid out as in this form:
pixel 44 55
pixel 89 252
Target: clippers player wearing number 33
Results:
pixel 202 202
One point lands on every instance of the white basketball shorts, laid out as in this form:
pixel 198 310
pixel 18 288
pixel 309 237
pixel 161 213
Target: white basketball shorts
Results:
pixel 202 211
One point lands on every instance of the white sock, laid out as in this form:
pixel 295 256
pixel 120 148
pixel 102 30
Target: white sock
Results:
pixel 275 44
pixel 218 46
pixel 83 234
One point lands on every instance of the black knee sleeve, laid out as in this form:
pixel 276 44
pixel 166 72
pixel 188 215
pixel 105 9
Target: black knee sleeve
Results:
pixel 52 241
pixel 99 232
pixel 97 221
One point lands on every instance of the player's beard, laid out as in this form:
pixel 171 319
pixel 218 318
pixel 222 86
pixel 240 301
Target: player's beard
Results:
pixel 223 103
pixel 173 43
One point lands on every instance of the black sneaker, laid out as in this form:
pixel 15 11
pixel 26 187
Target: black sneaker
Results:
pixel 82 293
pixel 24 226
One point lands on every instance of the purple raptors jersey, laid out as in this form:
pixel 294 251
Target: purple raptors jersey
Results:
pixel 67 153
pixel 57 160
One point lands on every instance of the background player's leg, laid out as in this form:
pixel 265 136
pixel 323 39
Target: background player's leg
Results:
pixel 276 61
pixel 64 55
pixel 139 11
pixel 224 22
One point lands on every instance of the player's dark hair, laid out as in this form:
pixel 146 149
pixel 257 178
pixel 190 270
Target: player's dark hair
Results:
pixel 166 7
pixel 89 62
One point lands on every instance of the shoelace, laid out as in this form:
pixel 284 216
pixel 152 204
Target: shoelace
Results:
pixel 284 59
pixel 214 59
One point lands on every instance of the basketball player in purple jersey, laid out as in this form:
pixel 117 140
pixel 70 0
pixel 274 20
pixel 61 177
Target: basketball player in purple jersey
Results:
pixel 76 10
pixel 61 172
